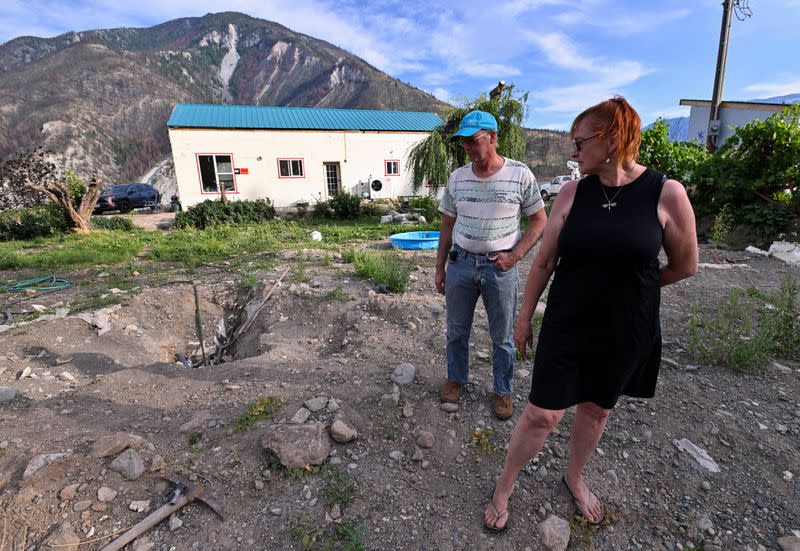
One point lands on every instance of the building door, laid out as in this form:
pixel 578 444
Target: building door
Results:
pixel 332 178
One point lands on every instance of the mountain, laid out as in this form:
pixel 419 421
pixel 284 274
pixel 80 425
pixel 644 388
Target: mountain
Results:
pixel 679 126
pixel 100 99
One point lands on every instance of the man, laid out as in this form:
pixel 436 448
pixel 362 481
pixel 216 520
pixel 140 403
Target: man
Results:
pixel 481 243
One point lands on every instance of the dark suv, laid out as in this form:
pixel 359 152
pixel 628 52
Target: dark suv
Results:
pixel 124 197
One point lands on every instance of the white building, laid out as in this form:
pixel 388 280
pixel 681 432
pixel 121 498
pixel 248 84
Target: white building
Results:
pixel 292 154
pixel 732 114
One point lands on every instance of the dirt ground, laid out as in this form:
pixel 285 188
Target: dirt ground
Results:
pixel 416 477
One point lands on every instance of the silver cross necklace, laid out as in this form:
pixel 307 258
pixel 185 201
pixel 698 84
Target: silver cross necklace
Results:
pixel 609 202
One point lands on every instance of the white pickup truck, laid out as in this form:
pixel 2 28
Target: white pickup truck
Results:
pixel 551 189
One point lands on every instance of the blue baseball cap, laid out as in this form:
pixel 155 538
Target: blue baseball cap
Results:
pixel 475 121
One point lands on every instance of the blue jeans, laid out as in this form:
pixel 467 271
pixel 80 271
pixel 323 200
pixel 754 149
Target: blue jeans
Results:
pixel 468 276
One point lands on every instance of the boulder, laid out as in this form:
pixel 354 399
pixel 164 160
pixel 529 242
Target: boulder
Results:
pixel 63 539
pixel 342 431
pixel 41 461
pixel 129 464
pixel 114 443
pixel 297 445
pixel 555 533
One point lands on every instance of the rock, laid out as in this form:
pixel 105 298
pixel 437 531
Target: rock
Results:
pixel 61 360
pixel 391 399
pixel 408 410
pixel 333 405
pixel 316 404
pixel 789 543
pixel 41 461
pixel 300 417
pixel 99 507
pixel 778 367
pixel 157 463
pixel 276 511
pixel 521 374
pixel 425 439
pixel 342 431
pixel 63 539
pixel 68 493
pixel 7 394
pixel 404 374
pixel 106 494
pixel 129 464
pixel 115 443
pixel 703 523
pixel 197 423
pixel 25 373
pixel 143 544
pixel 66 377
pixel 558 451
pixel 336 511
pixel 418 455
pixel 174 523
pixel 555 533
pixel 139 506
pixel 448 407
pixel 82 505
pixel 297 445
pixel 396 455
pixel 258 485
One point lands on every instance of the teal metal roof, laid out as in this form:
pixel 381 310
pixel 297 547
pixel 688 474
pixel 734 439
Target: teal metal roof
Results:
pixel 299 118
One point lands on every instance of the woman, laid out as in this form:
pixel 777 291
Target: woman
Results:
pixel 600 336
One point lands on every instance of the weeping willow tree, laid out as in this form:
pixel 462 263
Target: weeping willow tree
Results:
pixel 434 158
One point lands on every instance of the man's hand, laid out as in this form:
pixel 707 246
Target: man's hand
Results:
pixel 504 260
pixel 439 279
pixel 523 336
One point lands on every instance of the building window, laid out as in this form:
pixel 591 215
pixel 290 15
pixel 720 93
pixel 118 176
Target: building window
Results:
pixel 216 170
pixel 392 167
pixel 290 168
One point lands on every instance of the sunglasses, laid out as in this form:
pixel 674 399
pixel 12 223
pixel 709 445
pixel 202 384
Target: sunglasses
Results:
pixel 472 139
pixel 577 144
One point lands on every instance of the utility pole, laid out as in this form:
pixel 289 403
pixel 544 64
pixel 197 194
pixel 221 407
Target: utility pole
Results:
pixel 719 77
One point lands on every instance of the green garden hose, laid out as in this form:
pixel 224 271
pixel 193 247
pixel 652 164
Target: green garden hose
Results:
pixel 46 283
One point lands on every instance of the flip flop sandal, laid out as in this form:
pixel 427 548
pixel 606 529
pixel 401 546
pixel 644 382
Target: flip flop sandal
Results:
pixel 578 505
pixel 497 516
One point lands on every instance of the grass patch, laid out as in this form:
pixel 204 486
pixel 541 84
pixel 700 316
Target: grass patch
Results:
pixel 194 440
pixel 386 268
pixel 337 294
pixel 748 329
pixel 325 260
pixel 95 302
pixel 299 270
pixel 311 536
pixel 250 281
pixel 263 407
pixel 75 250
pixel 339 488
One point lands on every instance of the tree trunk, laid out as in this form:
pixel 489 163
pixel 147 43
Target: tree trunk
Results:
pixel 58 193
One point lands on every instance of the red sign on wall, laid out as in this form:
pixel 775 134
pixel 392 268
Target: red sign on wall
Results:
pixel 242 171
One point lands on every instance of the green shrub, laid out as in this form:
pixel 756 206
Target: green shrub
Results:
pixel 263 407
pixel 30 223
pixel 388 269
pixel 370 209
pixel 749 328
pixel 121 223
pixel 214 213
pixel 426 205
pixel 322 210
pixel 345 206
pixel 76 187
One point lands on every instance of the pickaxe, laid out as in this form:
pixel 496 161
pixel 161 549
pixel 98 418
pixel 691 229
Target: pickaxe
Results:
pixel 183 493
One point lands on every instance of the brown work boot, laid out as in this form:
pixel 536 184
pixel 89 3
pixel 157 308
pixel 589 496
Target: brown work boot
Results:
pixel 451 391
pixel 503 407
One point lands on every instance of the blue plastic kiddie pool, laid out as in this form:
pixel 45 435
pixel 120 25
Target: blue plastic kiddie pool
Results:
pixel 415 240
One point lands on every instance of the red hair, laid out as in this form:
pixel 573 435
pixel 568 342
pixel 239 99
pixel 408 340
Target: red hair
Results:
pixel 615 117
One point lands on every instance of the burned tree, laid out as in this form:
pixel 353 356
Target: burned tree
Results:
pixel 32 173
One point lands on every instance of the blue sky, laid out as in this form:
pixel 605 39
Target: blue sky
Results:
pixel 568 54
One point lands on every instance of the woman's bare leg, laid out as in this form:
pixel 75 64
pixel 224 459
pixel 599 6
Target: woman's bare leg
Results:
pixel 587 428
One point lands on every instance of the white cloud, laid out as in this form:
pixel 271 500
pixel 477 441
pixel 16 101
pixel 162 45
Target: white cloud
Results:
pixel 516 7
pixel 602 78
pixel 669 113
pixel 487 70
pixel 770 89
pixel 629 24
pixel 443 94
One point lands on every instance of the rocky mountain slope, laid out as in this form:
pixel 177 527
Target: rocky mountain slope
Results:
pixel 101 98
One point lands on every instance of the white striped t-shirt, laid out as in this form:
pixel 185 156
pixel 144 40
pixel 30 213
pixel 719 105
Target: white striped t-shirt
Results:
pixel 487 210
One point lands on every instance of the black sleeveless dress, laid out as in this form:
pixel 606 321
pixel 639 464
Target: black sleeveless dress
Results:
pixel 601 333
